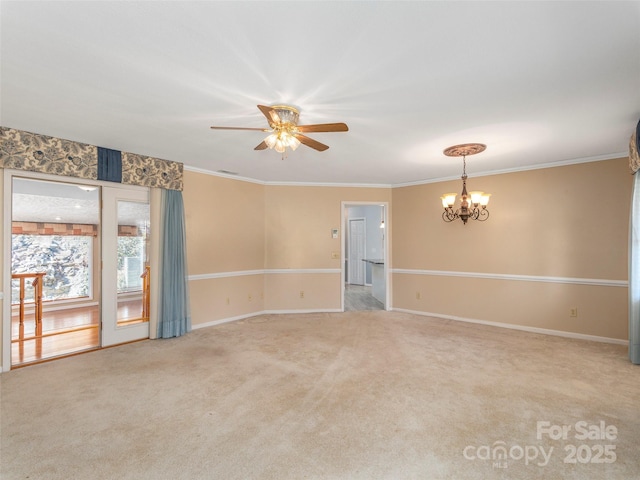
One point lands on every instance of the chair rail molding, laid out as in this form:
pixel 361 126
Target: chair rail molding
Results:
pixel 511 277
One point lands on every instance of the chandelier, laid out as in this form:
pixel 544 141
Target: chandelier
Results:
pixel 472 205
pixel 283 133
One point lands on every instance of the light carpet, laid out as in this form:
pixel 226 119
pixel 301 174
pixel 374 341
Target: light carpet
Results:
pixel 357 395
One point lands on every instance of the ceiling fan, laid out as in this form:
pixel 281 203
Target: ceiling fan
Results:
pixel 284 130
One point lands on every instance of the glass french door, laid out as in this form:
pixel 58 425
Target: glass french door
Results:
pixel 125 265
pixel 53 308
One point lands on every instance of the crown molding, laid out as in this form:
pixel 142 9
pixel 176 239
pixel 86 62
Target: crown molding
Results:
pixel 328 184
pixel 562 163
pixel 223 175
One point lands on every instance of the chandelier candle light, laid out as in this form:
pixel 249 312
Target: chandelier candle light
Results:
pixel 472 205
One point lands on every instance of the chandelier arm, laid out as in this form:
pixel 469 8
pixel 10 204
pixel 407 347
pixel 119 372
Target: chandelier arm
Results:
pixel 483 215
pixel 448 215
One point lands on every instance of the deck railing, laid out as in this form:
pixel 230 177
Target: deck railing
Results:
pixel 37 301
pixel 146 293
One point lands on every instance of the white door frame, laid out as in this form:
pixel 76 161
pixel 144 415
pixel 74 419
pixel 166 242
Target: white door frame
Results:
pixel 8 175
pixel 111 333
pixel 7 193
pixel 387 258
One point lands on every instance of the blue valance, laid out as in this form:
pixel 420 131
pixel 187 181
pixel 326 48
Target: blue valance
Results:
pixel 109 165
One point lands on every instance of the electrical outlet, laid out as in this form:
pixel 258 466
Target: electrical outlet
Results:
pixel 335 255
pixel 250 297
pixel 228 301
pixel 418 296
pixel 301 293
pixel 573 312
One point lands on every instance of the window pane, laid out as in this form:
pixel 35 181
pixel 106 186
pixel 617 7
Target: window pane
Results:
pixel 66 260
pixel 130 263
pixel 133 237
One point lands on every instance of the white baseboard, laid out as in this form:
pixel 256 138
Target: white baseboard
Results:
pixel 543 331
pixel 224 320
pixel 324 310
pixel 256 314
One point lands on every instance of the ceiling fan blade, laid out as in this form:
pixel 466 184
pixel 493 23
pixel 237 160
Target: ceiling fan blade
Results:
pixel 262 146
pixel 324 127
pixel 242 128
pixel 270 113
pixel 310 142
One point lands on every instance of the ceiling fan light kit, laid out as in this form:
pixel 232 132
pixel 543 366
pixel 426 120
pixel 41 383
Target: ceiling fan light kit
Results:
pixel 284 131
pixel 283 120
pixel 472 205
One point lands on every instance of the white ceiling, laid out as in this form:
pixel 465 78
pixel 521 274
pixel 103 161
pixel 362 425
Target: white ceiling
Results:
pixel 59 202
pixel 538 82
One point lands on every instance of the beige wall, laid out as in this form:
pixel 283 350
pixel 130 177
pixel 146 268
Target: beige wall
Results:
pixel 299 291
pixel 557 223
pixel 298 224
pixel 216 299
pixel 225 246
pixel 299 220
pixel 225 224
pixel 254 248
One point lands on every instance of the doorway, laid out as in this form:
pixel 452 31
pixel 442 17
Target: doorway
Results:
pixel 78 275
pixel 365 246
pixel 55 246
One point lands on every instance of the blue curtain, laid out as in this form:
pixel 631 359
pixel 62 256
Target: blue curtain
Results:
pixel 174 318
pixel 634 273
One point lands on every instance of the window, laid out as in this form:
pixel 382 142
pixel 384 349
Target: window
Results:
pixel 130 263
pixel 66 260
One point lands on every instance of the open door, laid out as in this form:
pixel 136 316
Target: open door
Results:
pixel 54 246
pixel 357 242
pixel 125 265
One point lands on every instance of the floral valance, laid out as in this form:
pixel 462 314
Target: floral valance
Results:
pixel 22 150
pixel 634 150
pixel 151 172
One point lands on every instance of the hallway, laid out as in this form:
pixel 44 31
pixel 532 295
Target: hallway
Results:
pixel 359 297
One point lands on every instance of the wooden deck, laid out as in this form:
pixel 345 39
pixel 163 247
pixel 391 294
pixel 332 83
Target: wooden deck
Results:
pixel 64 332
